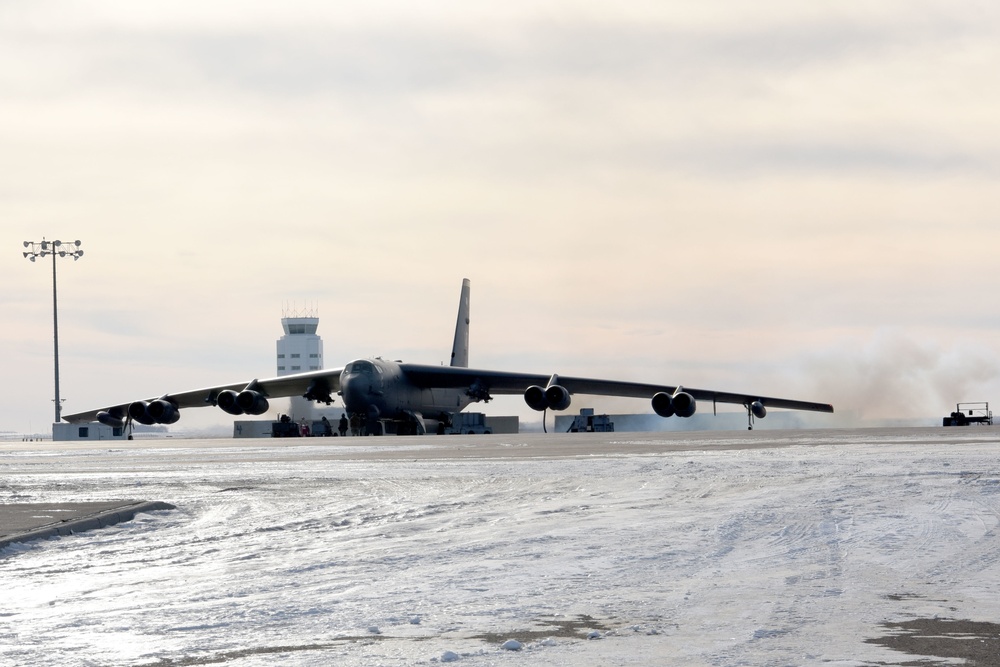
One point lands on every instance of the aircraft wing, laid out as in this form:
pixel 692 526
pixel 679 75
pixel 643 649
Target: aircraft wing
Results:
pixel 321 384
pixel 507 383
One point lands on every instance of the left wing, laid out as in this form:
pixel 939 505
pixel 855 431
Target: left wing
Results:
pixel 236 398
pixel 506 383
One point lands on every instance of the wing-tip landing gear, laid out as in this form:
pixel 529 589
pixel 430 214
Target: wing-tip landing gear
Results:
pixel 755 409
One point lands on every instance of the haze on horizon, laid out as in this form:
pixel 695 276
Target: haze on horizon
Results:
pixel 777 197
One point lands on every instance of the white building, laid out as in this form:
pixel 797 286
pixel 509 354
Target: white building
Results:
pixel 299 350
pixel 93 431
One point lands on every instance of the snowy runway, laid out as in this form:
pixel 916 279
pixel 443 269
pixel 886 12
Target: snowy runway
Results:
pixel 716 549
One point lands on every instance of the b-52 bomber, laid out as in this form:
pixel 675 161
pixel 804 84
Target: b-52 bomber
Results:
pixel 424 398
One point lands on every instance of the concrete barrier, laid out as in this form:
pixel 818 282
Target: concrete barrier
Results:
pixel 33 521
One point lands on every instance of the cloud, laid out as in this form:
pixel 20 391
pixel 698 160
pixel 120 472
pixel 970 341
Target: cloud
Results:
pixel 651 189
pixel 895 375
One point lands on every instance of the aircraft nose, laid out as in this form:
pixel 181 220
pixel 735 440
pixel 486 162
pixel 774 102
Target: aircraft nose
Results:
pixel 354 391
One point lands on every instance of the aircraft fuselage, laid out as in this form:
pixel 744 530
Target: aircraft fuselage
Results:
pixel 378 389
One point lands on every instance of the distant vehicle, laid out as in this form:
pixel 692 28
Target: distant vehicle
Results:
pixel 969 413
pixel 588 422
pixel 420 397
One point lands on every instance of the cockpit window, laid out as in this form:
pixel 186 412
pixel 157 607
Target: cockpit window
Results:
pixel 361 368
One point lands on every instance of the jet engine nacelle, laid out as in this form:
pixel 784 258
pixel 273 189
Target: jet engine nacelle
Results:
pixel 137 410
pixel 534 396
pixel 679 403
pixel 252 402
pixel 246 402
pixel 553 397
pixel 758 410
pixel 227 401
pixel 557 397
pixel 163 411
pixel 112 418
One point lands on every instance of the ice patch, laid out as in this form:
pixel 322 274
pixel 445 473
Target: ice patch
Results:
pixel 715 557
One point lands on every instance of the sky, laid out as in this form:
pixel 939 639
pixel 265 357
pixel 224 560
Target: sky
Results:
pixel 796 199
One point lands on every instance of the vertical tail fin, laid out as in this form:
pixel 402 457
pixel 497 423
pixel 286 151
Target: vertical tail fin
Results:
pixel 460 348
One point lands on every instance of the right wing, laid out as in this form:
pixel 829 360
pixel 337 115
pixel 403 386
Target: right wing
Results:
pixel 315 385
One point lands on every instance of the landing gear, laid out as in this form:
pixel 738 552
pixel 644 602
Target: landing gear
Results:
pixel 754 409
pixel 373 426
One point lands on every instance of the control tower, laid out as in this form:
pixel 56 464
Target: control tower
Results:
pixel 300 350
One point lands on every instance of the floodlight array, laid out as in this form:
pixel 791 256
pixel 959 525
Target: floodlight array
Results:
pixel 44 248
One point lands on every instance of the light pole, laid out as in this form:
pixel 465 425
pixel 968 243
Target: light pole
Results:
pixel 56 249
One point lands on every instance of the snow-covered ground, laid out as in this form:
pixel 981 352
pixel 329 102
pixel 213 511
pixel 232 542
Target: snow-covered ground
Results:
pixel 665 549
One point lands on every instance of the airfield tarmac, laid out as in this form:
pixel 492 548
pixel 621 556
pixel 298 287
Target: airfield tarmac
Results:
pixel 837 547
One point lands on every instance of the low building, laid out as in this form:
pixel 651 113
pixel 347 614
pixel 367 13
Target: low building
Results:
pixel 93 431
